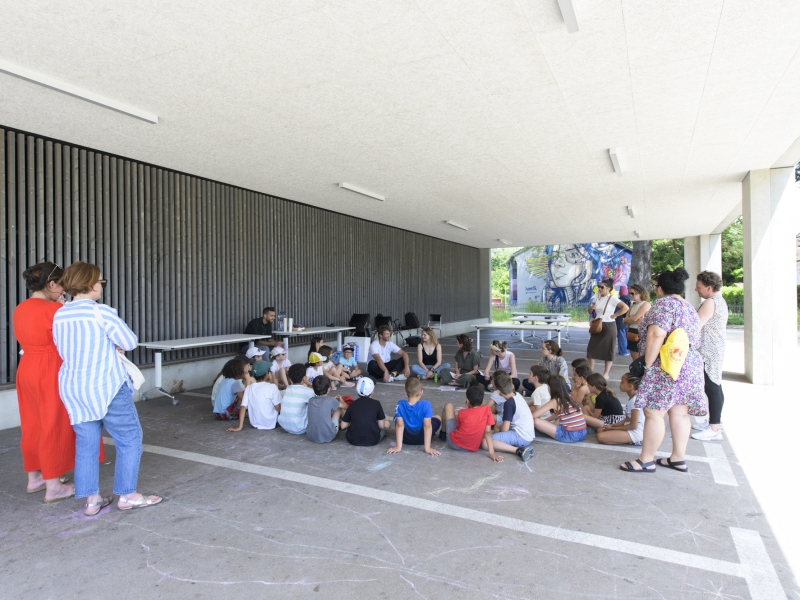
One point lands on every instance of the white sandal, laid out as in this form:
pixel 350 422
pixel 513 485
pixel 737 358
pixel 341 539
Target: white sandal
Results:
pixel 142 502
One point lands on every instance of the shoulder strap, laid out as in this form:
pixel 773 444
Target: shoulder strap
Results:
pixel 99 316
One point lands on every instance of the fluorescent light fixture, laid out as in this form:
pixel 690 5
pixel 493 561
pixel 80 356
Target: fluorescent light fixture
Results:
pixel 502 241
pixel 613 154
pixel 454 224
pixel 630 211
pixel 636 233
pixel 67 88
pixel 360 190
pixel 569 14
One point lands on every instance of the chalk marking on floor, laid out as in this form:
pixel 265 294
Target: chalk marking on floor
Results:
pixel 716 457
pixel 755 565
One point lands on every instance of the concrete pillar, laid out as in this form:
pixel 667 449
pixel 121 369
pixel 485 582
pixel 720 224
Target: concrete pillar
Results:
pixel 770 201
pixel 701 253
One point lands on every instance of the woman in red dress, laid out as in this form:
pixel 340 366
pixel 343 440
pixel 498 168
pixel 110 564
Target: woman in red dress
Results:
pixel 48 441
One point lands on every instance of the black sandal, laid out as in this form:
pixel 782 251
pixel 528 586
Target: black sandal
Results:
pixel 628 467
pixel 673 465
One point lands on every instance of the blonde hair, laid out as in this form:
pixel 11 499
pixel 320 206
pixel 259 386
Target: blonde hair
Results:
pixel 413 386
pixel 498 346
pixel 431 335
pixel 79 278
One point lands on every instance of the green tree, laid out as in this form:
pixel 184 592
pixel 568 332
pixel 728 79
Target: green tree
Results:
pixel 667 255
pixel 732 253
pixel 501 285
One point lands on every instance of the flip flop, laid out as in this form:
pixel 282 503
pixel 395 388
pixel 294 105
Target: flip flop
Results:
pixel 54 500
pixel 628 467
pixel 101 505
pixel 673 465
pixel 43 487
pixel 143 502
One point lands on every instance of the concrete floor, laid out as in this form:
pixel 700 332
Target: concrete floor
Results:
pixel 271 514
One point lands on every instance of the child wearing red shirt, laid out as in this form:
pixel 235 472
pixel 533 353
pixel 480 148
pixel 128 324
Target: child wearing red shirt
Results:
pixel 473 424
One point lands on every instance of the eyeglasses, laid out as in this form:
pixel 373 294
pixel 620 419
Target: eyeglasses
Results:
pixel 53 271
pixel 102 282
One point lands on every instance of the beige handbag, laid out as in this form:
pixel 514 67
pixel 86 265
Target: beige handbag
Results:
pixel 596 325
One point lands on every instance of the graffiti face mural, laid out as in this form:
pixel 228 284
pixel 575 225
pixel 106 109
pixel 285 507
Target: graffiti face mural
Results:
pixel 567 274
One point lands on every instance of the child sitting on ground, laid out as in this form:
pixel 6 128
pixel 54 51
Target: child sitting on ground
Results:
pixel 607 409
pixel 580 389
pixel 496 401
pixel 315 368
pixel 261 398
pixel 631 430
pixel 414 422
pixel 364 421
pixel 472 426
pixel 229 393
pixel 571 425
pixel 517 431
pixel 294 406
pixel 348 363
pixel 280 365
pixel 538 380
pixel 333 372
pixel 324 412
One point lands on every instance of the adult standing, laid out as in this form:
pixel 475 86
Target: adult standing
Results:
pixel 263 326
pixel 429 356
pixel 713 313
pixel 659 394
pixel 639 308
pixel 381 365
pixel 606 307
pixel 96 389
pixel 468 363
pixel 622 328
pixel 48 442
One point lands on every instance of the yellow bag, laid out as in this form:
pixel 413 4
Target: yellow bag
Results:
pixel 673 352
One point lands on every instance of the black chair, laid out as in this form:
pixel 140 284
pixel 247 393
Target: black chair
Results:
pixel 360 321
pixel 382 320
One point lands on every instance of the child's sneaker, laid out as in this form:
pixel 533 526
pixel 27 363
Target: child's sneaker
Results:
pixel 526 453
pixel 399 377
pixel 442 435
pixel 708 435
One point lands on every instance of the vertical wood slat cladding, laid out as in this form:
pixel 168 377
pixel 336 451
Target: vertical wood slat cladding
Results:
pixel 185 256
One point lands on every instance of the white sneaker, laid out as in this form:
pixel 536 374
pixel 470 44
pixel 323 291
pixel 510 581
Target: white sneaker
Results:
pixel 700 425
pixel 708 435
pixel 400 377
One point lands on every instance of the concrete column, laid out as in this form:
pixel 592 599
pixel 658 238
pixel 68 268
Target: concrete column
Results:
pixel 770 201
pixel 701 253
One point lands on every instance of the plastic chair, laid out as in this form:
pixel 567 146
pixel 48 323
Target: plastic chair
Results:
pixel 435 322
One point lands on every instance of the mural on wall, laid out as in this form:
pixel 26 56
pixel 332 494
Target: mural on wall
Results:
pixel 566 274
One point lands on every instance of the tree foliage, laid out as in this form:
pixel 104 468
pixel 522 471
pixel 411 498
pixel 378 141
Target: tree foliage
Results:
pixel 501 285
pixel 732 253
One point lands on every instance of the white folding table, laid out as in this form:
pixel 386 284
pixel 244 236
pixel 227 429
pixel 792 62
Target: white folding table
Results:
pixel 545 318
pixel 186 344
pixel 285 335
pixel 522 328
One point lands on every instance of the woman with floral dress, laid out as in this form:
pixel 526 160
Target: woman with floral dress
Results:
pixel 659 393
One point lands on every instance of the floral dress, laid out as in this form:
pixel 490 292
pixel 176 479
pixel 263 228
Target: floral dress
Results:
pixel 658 391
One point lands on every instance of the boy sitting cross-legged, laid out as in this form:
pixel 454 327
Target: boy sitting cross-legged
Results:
pixel 261 398
pixel 324 412
pixel 541 393
pixel 517 431
pixel 414 422
pixel 364 421
pixel 294 406
pixel 472 425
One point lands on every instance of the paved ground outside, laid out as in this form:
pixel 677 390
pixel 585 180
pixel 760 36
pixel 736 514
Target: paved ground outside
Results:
pixel 269 514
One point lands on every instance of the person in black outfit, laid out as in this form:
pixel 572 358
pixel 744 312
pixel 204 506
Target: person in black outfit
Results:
pixel 263 326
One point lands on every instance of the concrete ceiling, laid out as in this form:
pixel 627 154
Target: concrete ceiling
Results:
pixel 488 113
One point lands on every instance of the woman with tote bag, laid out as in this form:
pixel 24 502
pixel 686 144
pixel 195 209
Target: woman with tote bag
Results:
pixel 605 309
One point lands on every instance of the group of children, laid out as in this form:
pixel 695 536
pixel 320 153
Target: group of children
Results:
pixel 508 422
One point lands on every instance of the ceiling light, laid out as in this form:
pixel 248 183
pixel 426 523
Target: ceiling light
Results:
pixel 614 156
pixel 360 190
pixel 454 224
pixel 630 211
pixel 67 88
pixel 506 242
pixel 636 233
pixel 570 16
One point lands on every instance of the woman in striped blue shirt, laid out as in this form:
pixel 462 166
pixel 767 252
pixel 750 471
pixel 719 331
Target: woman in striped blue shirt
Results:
pixel 96 389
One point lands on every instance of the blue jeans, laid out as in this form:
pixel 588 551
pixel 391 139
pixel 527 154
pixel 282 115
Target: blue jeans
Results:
pixel 122 423
pixel 622 340
pixel 420 372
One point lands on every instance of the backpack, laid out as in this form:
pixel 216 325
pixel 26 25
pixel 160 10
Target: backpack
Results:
pixel 413 341
pixel 412 322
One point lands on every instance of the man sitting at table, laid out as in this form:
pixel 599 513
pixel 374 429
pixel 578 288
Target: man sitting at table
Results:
pixel 263 326
pixel 381 366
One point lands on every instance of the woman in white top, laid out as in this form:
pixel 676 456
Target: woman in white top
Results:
pixel 500 359
pixel 640 306
pixel 607 307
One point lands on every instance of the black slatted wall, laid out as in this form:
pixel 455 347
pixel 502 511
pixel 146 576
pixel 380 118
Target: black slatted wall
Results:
pixel 188 257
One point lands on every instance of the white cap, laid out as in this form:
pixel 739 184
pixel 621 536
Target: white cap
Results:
pixel 277 350
pixel 255 351
pixel 365 386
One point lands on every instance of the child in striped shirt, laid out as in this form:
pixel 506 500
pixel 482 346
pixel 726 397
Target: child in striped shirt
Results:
pixel 570 425
pixel 294 405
